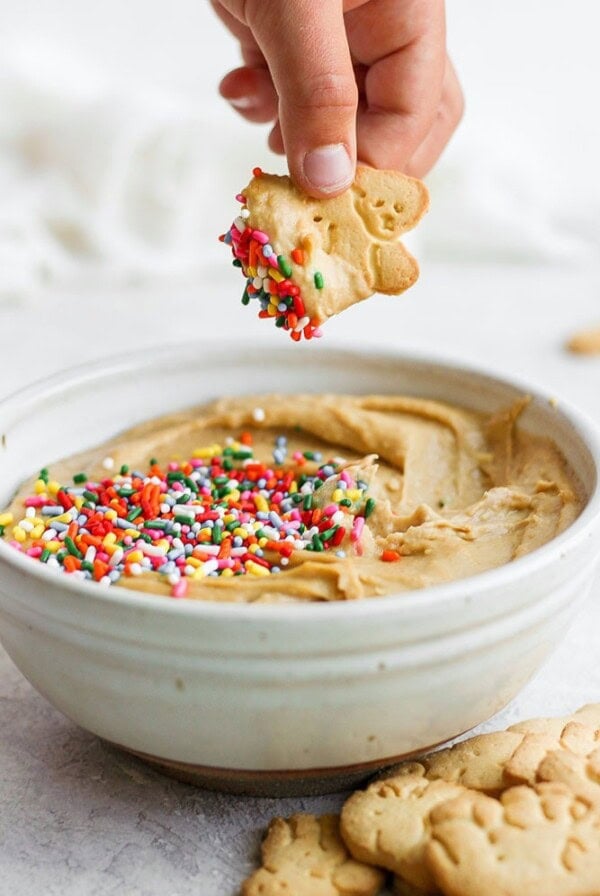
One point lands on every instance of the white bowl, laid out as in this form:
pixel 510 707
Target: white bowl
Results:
pixel 288 698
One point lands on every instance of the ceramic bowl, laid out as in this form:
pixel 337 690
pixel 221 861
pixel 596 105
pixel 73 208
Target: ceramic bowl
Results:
pixel 294 698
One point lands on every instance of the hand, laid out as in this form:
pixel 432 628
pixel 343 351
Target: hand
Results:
pixel 345 78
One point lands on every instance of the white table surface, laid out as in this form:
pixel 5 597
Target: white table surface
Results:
pixel 78 817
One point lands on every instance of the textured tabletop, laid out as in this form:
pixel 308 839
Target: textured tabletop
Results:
pixel 78 817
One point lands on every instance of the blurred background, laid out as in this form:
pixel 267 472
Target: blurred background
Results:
pixel 119 161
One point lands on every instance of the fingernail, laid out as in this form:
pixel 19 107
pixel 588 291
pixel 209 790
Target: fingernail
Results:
pixel 242 102
pixel 328 168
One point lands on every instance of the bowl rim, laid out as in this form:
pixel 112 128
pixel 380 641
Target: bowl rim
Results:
pixel 427 598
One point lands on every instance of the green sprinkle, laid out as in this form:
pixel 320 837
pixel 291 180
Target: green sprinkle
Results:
pixel 319 282
pixel 317 543
pixel 308 501
pixel 297 498
pixel 184 519
pixel 190 484
pixel 242 454
pixel 227 465
pixel 284 266
pixel 174 476
pixel 155 524
pixel 125 492
pixel 280 321
pixel 79 478
pixel 345 502
pixel 124 470
pixel 308 455
pixel 72 548
pixel 328 533
pixel 245 298
pixel 91 496
pixel 369 507
pixel 236 263
pixel 44 474
pixel 85 564
pixel 133 514
pixel 45 555
pixel 153 461
pixel 217 535
pixel 318 484
pixel 2 528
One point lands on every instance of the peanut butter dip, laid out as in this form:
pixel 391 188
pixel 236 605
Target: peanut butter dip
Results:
pixel 434 493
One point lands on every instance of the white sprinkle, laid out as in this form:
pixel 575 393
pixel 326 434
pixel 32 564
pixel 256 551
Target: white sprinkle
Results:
pixel 210 566
pixel 173 578
pixel 284 561
pixel 26 525
pixel 90 554
pixel 135 569
pixel 116 558
pixel 49 534
pixel 240 224
pixel 262 271
pixel 30 512
pixel 301 324
pixel 104 581
pixel 108 463
pixel 245 214
pixel 164 508
pixel 258 415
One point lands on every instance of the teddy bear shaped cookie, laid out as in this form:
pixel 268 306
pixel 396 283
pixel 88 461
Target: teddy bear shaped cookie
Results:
pixel 307 259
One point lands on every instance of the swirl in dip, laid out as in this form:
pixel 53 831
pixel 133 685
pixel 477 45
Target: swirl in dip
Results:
pixel 303 497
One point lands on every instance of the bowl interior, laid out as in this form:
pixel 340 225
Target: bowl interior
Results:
pixel 83 407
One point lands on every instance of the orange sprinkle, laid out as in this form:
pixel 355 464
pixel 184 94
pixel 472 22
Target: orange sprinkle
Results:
pixel 297 256
pixel 100 569
pixel 246 438
pixel 390 556
pixel 71 563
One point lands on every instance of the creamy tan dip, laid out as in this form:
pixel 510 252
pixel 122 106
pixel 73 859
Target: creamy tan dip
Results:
pixel 453 493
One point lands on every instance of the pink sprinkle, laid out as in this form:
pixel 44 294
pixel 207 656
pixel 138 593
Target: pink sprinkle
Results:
pixel 295 514
pixel 102 555
pixel 241 198
pixel 273 263
pixel 345 477
pixel 297 455
pixel 225 563
pixel 180 589
pixel 235 232
pixel 172 465
pixel 15 544
pixel 330 509
pixel 260 236
pixel 276 498
pixel 317 333
pixel 34 552
pixel 357 528
pixel 35 501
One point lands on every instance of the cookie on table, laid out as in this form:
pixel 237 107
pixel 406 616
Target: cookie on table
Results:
pixel 541 841
pixel 580 772
pixel 306 259
pixel 388 824
pixel 305 856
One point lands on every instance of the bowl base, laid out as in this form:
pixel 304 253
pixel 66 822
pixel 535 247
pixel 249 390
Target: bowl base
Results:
pixel 279 782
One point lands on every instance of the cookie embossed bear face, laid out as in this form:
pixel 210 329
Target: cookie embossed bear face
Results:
pixel 349 244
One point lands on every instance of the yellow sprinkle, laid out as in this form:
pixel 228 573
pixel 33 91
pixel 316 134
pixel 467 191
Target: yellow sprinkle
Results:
pixel 229 517
pixel 109 539
pixel 6 519
pixel 261 504
pixel 232 497
pixel 272 310
pixel 239 531
pixel 256 570
pixel 133 532
pixel 227 573
pixel 78 501
pixel 337 496
pixel 53 546
pixel 252 271
pixel 253 548
pixel 37 531
pixel 19 534
pixel 62 518
pixel 293 488
pixel 262 542
pixel 53 487
pixel 39 487
pixel 110 514
pixel 353 493
pixel 207 451
pixel 199 573
pixel 135 557
pixel 275 275
pixel 193 561
pixel 162 543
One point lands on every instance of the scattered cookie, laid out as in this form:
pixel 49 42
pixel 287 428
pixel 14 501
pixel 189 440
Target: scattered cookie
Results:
pixel 540 841
pixel 307 259
pixel 305 856
pixel 586 342
pixel 579 772
pixel 523 766
pixel 388 824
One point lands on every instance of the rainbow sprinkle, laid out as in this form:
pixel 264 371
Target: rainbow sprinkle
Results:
pixel 220 514
pixel 269 276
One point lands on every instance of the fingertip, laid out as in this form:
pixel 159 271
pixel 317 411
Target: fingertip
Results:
pixel 325 171
pixel 251 93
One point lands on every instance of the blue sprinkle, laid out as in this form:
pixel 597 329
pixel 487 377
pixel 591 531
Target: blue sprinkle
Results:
pixel 261 483
pixel 237 541
pixel 49 510
pixel 340 553
pixel 59 527
pixel 282 306
pixel 276 519
pixel 278 456
pixel 267 250
pixel 281 441
pixel 275 569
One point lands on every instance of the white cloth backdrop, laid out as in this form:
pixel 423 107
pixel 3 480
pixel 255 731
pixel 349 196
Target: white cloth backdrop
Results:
pixel 118 159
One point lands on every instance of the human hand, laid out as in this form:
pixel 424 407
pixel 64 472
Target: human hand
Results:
pixel 345 78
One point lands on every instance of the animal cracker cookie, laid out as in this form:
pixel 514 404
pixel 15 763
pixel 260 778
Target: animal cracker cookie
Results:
pixel 540 841
pixel 579 772
pixel 388 824
pixel 305 856
pixel 307 259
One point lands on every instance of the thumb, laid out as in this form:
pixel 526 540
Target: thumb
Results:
pixel 305 46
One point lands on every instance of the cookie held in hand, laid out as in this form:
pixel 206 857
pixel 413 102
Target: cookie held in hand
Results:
pixel 307 259
pixel 305 856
